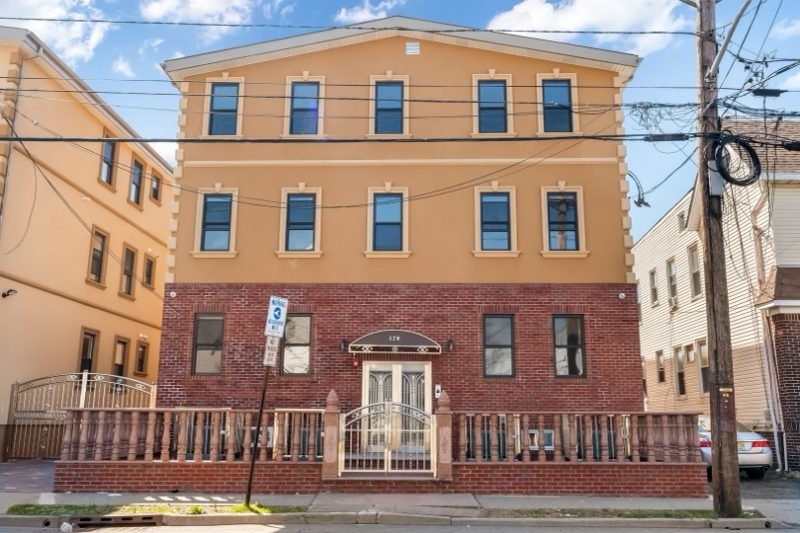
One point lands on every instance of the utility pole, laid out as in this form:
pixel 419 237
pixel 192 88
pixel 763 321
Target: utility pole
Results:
pixel 725 460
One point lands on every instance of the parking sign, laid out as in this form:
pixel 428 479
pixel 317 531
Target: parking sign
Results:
pixel 276 316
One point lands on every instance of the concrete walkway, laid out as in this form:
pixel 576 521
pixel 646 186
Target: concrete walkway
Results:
pixel 35 475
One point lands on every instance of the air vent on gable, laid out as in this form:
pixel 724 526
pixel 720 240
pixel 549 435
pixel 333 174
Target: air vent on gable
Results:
pixel 412 48
pixel 681 221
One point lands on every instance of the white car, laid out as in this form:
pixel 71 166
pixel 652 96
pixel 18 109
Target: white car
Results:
pixel 755 455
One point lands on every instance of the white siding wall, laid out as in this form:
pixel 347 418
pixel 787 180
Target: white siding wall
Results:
pixel 786 224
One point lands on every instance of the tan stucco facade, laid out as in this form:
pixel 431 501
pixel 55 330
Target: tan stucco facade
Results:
pixel 45 250
pixel 439 178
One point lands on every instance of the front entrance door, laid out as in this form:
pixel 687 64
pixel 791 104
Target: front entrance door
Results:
pixel 404 383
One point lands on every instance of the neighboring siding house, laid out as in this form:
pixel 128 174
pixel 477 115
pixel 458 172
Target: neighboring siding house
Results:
pixel 761 229
pixel 68 304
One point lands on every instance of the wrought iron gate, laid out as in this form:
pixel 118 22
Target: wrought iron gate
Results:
pixel 38 407
pixel 387 437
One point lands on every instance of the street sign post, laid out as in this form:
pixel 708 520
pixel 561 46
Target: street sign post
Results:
pixel 273 330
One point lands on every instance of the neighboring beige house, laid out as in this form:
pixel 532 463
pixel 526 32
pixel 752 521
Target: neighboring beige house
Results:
pixel 762 232
pixel 68 305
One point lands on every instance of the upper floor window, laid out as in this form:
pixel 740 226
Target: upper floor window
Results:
pixel 97 260
pixel 705 368
pixel 492 106
pixel 498 345
pixel 140 365
pixel 568 346
pixel 557 105
pixel 297 345
pixel 88 350
pixel 135 192
pixel 562 221
pixel 224 109
pixel 495 221
pixel 216 225
pixel 128 271
pixel 672 278
pixel 107 164
pixel 680 372
pixel 662 374
pixel 387 231
pixel 694 268
pixel 120 357
pixel 300 222
pixel 208 336
pixel 155 188
pixel 389 107
pixel 305 110
pixel 653 288
pixel 149 273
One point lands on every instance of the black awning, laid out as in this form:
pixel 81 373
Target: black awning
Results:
pixel 395 341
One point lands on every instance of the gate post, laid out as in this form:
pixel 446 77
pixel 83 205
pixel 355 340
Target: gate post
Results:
pixel 8 438
pixel 444 439
pixel 84 383
pixel 330 454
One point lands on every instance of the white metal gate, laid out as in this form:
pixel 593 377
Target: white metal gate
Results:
pixel 387 437
pixel 38 407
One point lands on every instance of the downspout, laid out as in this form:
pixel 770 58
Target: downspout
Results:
pixel 768 351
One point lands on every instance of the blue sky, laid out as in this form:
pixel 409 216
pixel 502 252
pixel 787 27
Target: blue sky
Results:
pixel 109 57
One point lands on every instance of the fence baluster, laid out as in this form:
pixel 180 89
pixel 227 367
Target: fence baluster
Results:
pixel 248 440
pixel 84 436
pixel 133 437
pixel 277 448
pixel 557 457
pixel 511 424
pixel 117 436
pixel 311 452
pixel 215 429
pixel 618 439
pixel 296 421
pixel 651 439
pixel 573 438
pixel 526 439
pixel 604 438
pixel 588 449
pixel 230 436
pixel 165 437
pixel 66 443
pixel 150 440
pixel 666 438
pixel 493 450
pixel 462 441
pixel 262 456
pixel 478 427
pixel 542 453
pixel 682 451
pixel 99 439
pixel 635 451
pixel 182 430
pixel 199 435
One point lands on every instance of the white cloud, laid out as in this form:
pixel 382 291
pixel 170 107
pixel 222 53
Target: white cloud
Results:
pixel 598 15
pixel 273 8
pixel 73 42
pixel 206 11
pixel 288 10
pixel 123 66
pixel 367 11
pixel 166 150
pixel 786 29
pixel 150 44
pixel 792 83
pixel 178 54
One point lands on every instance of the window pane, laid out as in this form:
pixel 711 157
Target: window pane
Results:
pixel 300 240
pixel 119 353
pixel 141 358
pixel 495 240
pixel 304 122
pixel 492 93
pixel 148 271
pixel 155 191
pixel 222 123
pixel 498 361
pixel 492 117
pixel 136 183
pixel 87 348
pixel 106 172
pixel 562 213
pixel 298 330
pixel 492 120
pixel 296 359
pixel 209 331
pixel 497 331
pixel 494 207
pixel 224 96
pixel 389 95
pixel 569 361
pixel 388 237
pixel 388 207
pixel 301 208
pixel 305 95
pixel 215 240
pixel 208 361
pixel 568 331
pixel 388 121
pixel 557 105
pixel 217 209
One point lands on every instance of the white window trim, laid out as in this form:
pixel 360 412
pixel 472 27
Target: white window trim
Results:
pixel 669 283
pixel 699 358
pixel 406 251
pixel 287 121
pixel 691 271
pixel 492 75
pixel 282 252
pixel 512 206
pixel 239 106
pixel 652 278
pixel 682 350
pixel 582 251
pixel 198 225
pixel 533 436
pixel 556 74
pixel 373 92
pixel 664 357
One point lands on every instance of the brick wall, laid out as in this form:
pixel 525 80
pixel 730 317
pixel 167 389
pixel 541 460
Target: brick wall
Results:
pixel 786 329
pixel 634 480
pixel 441 312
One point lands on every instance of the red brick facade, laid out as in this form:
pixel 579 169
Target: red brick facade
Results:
pixel 609 479
pixel 439 311
pixel 786 329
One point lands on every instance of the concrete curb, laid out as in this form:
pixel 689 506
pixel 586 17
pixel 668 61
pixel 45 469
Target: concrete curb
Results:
pixel 403 519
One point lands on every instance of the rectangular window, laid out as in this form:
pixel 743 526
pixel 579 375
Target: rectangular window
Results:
pixel 297 345
pixel 568 345
pixel 389 107
pixel 149 274
pixel 562 221
pixel 672 279
pixel 492 107
pixel 495 221
pixel 88 347
pixel 694 267
pixel 135 193
pixel 557 105
pixel 155 188
pixel 662 374
pixel 216 232
pixel 653 288
pixel 128 271
pixel 97 261
pixel 107 164
pixel 141 358
pixel 680 372
pixel 300 222
pixel 498 345
pixel 120 356
pixel 305 108
pixel 208 335
pixel 387 231
pixel 705 369
pixel 224 109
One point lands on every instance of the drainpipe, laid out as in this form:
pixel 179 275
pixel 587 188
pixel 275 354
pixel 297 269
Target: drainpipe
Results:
pixel 772 375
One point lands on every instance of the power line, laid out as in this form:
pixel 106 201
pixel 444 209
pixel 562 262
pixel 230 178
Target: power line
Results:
pixel 662 182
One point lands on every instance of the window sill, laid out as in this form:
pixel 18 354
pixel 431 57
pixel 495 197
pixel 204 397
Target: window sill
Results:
pixel 148 286
pixel 682 398
pixel 698 297
pixel 140 374
pixel 109 186
pixel 388 136
pixel 220 136
pixel 654 304
pixel 126 296
pixel 304 136
pixel 155 201
pixel 498 254
pixel 507 135
pixel 95 284
pixel 137 206
pixel 214 255
pixel 550 254
pixel 298 255
pixel 387 255
pixel 578 378
pixel 558 133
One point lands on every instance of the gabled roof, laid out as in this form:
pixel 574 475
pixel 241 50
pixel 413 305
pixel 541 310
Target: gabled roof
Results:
pixel 180 68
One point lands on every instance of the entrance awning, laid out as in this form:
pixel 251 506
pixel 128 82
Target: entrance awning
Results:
pixel 395 341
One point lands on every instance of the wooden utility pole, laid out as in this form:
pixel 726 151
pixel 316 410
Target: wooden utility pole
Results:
pixel 725 460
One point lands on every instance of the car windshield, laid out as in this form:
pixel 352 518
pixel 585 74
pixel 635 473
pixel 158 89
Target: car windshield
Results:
pixel 704 425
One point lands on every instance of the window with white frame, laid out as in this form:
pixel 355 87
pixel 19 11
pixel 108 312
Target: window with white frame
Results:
pixel 680 372
pixel 495 221
pixel 493 108
pixel 705 368
pixel 662 374
pixel 653 287
pixel 223 112
pixel 297 345
pixel 694 269
pixel 301 219
pixel 387 222
pixel 558 95
pixel 672 278
pixel 215 233
pixel 563 224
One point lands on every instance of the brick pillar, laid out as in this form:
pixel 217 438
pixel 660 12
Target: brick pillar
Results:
pixel 330 454
pixel 787 357
pixel 444 439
